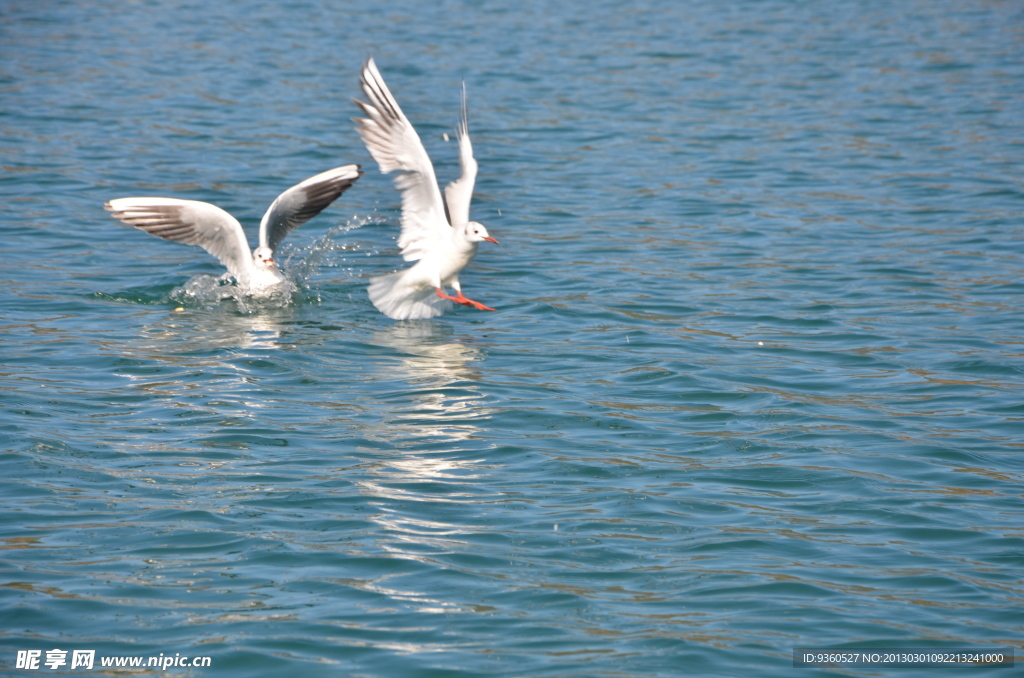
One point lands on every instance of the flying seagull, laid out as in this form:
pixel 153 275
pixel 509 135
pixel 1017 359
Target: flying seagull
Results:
pixel 441 245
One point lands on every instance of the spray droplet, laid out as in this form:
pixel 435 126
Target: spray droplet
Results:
pixel 180 308
pixel 445 136
pixel 760 343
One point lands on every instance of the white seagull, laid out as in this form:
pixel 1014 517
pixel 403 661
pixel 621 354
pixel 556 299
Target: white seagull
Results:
pixel 200 223
pixel 442 249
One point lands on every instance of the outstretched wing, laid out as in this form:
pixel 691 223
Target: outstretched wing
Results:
pixel 190 222
pixel 459 193
pixel 302 202
pixel 394 144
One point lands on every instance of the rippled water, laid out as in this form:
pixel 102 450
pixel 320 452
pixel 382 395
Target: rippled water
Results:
pixel 754 383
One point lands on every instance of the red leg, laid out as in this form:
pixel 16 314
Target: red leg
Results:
pixel 461 299
pixel 476 304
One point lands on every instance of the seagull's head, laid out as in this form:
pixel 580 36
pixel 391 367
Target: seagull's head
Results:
pixel 475 232
pixel 263 257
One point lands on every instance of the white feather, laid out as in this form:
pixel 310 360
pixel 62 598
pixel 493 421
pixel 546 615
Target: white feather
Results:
pixel 395 145
pixel 459 193
pixel 193 223
pixel 396 297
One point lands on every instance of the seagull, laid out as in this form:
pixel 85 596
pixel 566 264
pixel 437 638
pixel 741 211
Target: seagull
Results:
pixel 441 245
pixel 200 223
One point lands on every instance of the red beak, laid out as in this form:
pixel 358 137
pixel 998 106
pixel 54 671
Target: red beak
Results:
pixel 490 239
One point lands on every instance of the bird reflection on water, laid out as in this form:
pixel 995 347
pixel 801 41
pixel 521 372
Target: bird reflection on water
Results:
pixel 437 396
pixel 194 371
pixel 164 341
pixel 436 410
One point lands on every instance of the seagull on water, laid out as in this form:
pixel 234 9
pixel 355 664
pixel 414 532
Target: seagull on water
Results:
pixel 441 245
pixel 200 223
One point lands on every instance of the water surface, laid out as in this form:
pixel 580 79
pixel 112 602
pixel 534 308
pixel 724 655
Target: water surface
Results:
pixel 754 381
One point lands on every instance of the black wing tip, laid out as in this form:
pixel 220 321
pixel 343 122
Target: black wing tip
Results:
pixel 350 167
pixel 364 107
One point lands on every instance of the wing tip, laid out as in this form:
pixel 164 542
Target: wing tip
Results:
pixel 370 65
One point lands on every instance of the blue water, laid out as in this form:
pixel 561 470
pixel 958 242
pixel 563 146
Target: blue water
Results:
pixel 755 381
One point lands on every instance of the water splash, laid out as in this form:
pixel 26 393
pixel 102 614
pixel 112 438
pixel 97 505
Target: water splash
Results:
pixel 335 249
pixel 207 290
